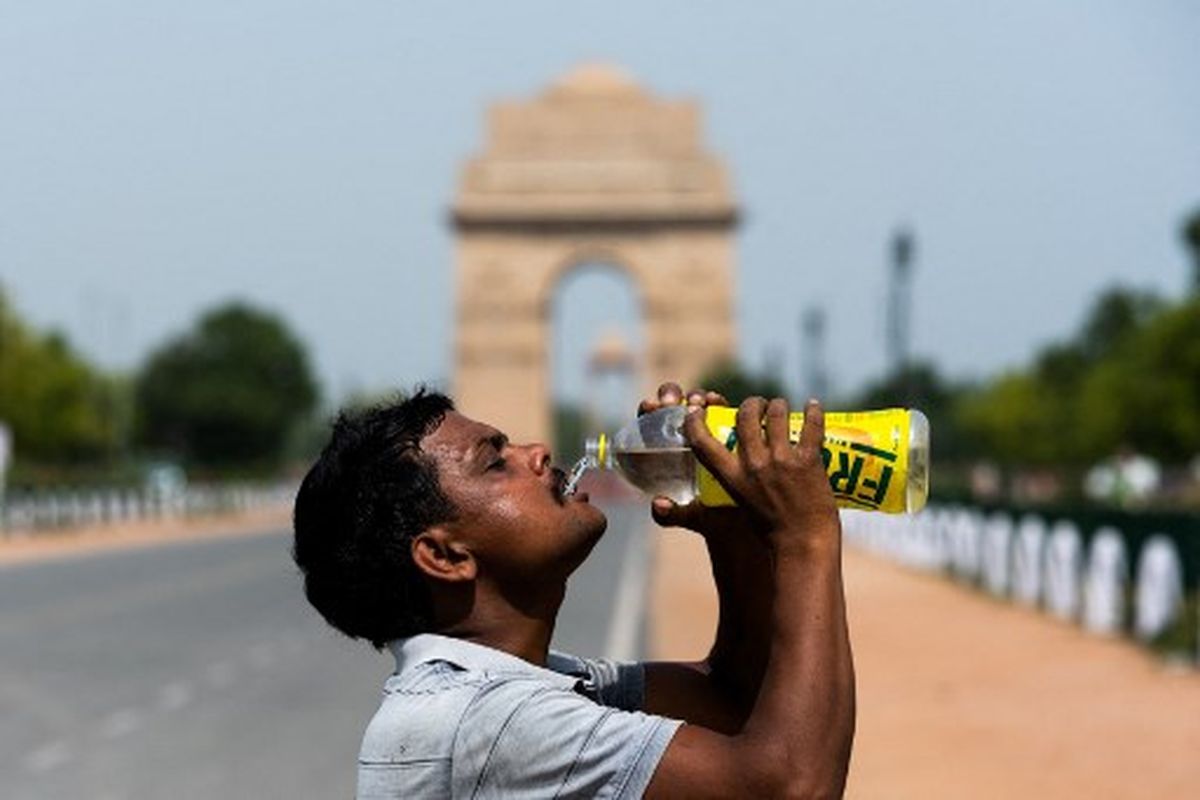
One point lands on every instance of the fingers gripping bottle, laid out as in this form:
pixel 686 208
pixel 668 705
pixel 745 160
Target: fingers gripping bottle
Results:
pixel 876 460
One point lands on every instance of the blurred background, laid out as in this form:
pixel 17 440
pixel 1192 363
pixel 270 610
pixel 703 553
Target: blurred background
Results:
pixel 220 224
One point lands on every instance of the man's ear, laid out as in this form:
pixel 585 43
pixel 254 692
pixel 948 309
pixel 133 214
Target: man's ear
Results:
pixel 439 554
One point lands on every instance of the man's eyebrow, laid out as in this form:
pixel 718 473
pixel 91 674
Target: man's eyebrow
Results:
pixel 496 440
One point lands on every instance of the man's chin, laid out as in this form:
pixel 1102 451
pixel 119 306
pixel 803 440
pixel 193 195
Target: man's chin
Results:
pixel 585 535
pixel 601 521
pixel 592 523
pixel 587 520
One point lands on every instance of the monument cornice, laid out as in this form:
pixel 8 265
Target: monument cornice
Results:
pixel 525 223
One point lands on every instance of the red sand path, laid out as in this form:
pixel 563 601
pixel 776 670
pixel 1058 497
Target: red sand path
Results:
pixel 961 696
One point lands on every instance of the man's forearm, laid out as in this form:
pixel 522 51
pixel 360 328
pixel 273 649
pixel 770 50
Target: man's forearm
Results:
pixel 796 740
pixel 806 706
pixel 745 580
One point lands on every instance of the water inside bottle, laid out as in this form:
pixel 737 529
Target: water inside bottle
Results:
pixel 670 472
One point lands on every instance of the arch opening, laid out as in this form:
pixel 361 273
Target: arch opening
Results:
pixel 597 351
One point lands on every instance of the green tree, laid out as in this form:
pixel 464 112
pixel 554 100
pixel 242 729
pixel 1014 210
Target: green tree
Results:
pixel 227 393
pixel 1117 314
pixel 1147 395
pixel 921 386
pixel 58 407
pixel 1067 407
pixel 1013 420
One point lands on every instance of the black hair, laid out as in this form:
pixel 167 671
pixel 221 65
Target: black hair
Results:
pixel 371 491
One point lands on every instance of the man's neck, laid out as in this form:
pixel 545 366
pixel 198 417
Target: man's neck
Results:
pixel 524 632
pixel 531 645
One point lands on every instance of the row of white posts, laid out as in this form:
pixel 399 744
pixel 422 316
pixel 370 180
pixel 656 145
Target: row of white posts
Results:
pixel 26 514
pixel 1038 564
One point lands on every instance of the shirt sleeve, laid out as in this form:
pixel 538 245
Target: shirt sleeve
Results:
pixel 620 684
pixel 521 738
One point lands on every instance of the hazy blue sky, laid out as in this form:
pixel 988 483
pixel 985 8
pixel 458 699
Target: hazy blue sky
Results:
pixel 158 157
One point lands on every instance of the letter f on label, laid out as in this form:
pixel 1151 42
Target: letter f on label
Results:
pixel 844 480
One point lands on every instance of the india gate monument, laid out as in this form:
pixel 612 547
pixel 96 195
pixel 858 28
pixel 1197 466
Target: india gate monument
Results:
pixel 593 170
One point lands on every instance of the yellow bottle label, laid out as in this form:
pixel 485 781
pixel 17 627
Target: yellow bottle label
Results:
pixel 865 454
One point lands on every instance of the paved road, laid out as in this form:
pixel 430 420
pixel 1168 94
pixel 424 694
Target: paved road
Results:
pixel 196 670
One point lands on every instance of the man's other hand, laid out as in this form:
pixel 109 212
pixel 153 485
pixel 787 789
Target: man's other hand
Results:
pixel 705 520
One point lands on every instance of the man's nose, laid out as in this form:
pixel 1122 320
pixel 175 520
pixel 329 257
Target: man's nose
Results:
pixel 539 457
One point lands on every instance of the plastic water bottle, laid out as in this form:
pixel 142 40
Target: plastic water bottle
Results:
pixel 876 460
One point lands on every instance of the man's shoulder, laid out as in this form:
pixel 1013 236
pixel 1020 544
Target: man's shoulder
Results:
pixel 418 714
pixel 408 747
pixel 424 706
pixel 459 720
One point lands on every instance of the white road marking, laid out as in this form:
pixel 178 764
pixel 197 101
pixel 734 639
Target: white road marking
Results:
pixel 621 643
pixel 48 756
pixel 174 696
pixel 121 723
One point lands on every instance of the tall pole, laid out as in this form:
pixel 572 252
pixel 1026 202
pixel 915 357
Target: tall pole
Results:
pixel 812 349
pixel 899 299
pixel 899 308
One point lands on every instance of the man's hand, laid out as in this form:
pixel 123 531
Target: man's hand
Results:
pixel 705 520
pixel 798 731
pixel 784 486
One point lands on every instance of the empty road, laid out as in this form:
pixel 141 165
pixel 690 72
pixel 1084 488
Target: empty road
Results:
pixel 197 670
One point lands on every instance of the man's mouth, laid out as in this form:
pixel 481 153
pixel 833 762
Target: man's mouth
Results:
pixel 558 484
pixel 558 488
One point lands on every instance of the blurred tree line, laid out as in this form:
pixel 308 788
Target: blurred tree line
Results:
pixel 1130 377
pixel 57 407
pixel 1127 378
pixel 233 395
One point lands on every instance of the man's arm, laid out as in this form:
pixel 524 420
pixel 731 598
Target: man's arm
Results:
pixel 796 740
pixel 719 691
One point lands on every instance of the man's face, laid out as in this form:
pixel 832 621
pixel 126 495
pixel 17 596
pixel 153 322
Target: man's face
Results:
pixel 509 503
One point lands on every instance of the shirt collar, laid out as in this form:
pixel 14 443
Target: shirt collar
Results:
pixel 426 647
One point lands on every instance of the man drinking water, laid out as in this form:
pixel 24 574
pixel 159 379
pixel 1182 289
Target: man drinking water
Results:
pixel 430 533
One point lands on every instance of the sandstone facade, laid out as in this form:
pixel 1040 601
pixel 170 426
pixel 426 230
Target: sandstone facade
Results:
pixel 593 170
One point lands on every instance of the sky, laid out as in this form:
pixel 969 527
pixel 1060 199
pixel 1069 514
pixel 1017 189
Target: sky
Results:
pixel 159 158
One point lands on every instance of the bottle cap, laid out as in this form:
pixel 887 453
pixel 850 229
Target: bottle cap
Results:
pixel 597 450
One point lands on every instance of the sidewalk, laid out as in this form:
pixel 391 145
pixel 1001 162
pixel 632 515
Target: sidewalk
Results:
pixel 962 696
pixel 76 541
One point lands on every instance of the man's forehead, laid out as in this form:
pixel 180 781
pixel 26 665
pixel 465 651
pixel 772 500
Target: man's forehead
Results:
pixel 458 435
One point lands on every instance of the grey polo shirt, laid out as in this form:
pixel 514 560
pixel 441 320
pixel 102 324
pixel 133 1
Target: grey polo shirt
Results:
pixel 462 720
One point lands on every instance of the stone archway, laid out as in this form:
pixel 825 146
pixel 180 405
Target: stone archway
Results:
pixel 593 170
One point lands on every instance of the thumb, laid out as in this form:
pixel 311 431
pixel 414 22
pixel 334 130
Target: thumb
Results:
pixel 669 514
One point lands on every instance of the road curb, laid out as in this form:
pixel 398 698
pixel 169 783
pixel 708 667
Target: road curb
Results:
pixel 69 543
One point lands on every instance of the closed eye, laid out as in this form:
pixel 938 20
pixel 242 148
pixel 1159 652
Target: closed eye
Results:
pixel 496 443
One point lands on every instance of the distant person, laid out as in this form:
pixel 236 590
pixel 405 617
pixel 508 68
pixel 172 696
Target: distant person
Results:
pixel 429 533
